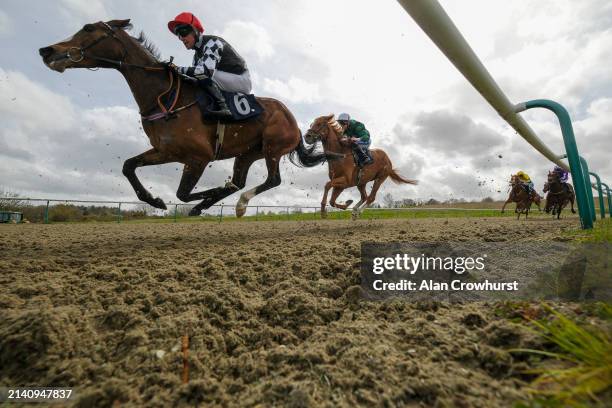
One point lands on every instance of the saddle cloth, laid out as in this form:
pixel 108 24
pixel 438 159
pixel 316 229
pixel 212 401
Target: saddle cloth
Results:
pixel 242 106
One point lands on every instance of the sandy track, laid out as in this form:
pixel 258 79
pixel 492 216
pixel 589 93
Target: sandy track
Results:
pixel 271 308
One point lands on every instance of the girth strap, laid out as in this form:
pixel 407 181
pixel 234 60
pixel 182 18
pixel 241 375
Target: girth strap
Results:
pixel 220 136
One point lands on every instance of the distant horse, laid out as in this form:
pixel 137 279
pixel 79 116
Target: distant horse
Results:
pixel 343 173
pixel 173 122
pixel 558 196
pixel 519 195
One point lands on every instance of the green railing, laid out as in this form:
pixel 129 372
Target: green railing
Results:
pixel 578 166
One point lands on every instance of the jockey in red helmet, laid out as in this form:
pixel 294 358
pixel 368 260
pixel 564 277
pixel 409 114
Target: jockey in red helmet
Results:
pixel 216 64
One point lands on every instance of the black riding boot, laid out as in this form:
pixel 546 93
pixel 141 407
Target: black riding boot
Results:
pixel 359 155
pixel 215 92
pixel 366 155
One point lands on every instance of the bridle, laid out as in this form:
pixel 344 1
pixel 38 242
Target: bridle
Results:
pixel 552 183
pixel 110 33
pixel 316 133
pixel 80 55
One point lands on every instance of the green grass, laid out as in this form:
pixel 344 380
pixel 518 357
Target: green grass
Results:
pixel 583 353
pixel 369 214
pixel 601 232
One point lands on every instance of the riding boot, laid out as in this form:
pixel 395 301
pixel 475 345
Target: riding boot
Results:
pixel 363 159
pixel 215 92
pixel 368 156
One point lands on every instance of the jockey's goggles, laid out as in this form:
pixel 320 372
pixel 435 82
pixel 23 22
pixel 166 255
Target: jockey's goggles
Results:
pixel 183 30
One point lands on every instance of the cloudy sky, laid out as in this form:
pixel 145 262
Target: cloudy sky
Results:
pixel 67 135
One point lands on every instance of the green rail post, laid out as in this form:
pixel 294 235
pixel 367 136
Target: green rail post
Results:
pixel 175 211
pixel 572 154
pixel 47 213
pixel 221 214
pixel 609 199
pixel 602 207
pixel 119 213
pixel 587 182
pixel 257 213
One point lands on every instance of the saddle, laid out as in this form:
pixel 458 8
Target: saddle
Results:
pixel 242 106
pixel 362 155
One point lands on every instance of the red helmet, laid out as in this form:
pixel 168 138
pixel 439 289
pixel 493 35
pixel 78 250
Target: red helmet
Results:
pixel 185 18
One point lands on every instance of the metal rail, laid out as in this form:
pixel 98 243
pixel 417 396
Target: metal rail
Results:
pixel 434 21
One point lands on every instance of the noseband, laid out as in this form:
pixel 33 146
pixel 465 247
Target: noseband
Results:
pixel 77 54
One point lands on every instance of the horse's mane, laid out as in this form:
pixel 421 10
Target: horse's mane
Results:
pixel 148 46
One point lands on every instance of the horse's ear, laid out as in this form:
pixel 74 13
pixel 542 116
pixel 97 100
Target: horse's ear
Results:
pixel 120 23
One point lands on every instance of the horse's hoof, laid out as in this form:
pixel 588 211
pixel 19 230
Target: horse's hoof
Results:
pixel 240 211
pixel 195 211
pixel 349 202
pixel 159 203
pixel 323 214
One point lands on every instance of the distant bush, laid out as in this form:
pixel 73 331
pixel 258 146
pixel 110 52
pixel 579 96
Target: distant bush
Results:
pixel 65 212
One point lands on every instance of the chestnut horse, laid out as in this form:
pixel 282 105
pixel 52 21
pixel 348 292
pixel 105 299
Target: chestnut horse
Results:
pixel 558 196
pixel 343 173
pixel 172 120
pixel 519 195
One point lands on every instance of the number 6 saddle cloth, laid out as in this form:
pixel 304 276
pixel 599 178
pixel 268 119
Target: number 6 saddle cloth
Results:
pixel 242 106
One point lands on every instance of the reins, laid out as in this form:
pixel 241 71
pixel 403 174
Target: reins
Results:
pixel 165 113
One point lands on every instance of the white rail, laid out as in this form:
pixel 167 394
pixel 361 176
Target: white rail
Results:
pixel 432 18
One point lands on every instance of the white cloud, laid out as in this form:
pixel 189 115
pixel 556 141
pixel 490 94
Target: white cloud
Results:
pixel 295 90
pixel 248 38
pixel 22 100
pixel 6 25
pixel 88 11
pixel 331 57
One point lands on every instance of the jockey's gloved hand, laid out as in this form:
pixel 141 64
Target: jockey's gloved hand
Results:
pixel 169 64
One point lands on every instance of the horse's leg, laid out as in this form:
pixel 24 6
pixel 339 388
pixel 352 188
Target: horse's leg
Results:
pixel 538 201
pixel 571 200
pixel 364 196
pixel 505 204
pixel 371 197
pixel 324 200
pixel 242 164
pixel 191 174
pixel 273 180
pixel 337 190
pixel 148 158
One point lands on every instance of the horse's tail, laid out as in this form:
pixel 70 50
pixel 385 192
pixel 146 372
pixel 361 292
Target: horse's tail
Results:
pixel 397 178
pixel 305 156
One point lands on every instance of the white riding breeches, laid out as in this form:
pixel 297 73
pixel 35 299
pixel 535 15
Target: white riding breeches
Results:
pixel 233 82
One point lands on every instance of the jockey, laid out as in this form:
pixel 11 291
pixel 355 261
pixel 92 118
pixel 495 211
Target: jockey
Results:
pixel 526 181
pixel 216 64
pixel 359 137
pixel 561 173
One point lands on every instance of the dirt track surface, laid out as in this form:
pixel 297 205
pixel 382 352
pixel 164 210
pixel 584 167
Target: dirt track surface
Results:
pixel 272 310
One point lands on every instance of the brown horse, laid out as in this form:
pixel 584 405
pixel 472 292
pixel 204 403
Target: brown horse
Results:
pixel 519 195
pixel 558 196
pixel 178 133
pixel 343 173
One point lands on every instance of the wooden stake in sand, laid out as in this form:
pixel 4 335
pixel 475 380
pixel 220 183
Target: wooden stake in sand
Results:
pixel 185 359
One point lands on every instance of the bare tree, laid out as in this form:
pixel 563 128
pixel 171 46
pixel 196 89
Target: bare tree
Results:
pixel 388 200
pixel 9 205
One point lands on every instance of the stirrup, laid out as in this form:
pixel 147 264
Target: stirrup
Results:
pixel 222 113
